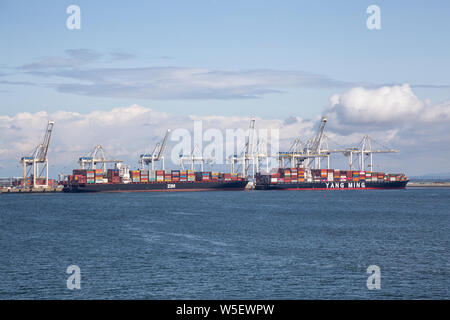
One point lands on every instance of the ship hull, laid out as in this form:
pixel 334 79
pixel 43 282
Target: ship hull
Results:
pixel 333 185
pixel 158 186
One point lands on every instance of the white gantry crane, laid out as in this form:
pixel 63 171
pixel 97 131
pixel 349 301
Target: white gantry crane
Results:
pixel 366 148
pixel 39 155
pixel 248 154
pixel 305 153
pixel 96 156
pixel 310 153
pixel 196 157
pixel 156 155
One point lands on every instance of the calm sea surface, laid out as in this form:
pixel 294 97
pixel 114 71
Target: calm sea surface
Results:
pixel 236 245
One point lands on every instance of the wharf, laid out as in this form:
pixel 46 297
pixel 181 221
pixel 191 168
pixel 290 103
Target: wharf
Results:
pixel 428 185
pixel 31 190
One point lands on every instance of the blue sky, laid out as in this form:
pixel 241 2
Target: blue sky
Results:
pixel 326 38
pixel 274 60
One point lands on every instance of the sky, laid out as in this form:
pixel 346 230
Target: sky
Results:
pixel 284 62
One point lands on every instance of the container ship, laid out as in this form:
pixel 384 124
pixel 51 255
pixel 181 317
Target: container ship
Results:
pixel 328 179
pixel 119 180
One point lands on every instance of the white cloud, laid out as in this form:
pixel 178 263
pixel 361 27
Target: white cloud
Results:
pixel 396 116
pixel 387 105
pixel 74 57
pixel 393 116
pixel 124 132
pixel 167 82
pixel 367 106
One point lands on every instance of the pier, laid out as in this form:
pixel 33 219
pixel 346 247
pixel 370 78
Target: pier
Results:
pixel 31 190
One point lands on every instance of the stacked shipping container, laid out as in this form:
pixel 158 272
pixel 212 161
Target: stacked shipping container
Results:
pixel 295 175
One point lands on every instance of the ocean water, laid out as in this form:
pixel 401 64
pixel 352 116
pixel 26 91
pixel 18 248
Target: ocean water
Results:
pixel 227 245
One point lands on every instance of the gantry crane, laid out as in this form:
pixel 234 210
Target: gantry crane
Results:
pixel 96 156
pixel 156 155
pixel 366 148
pixel 247 156
pixel 38 156
pixel 249 152
pixel 196 157
pixel 304 153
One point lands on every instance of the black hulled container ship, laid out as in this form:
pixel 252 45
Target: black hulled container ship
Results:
pixel 116 180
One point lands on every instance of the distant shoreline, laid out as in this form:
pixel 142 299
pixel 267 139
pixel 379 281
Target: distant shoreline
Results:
pixel 428 184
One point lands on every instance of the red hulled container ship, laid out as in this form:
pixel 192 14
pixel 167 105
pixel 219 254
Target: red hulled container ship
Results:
pixel 328 179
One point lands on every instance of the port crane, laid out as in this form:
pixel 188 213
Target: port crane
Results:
pixel 366 148
pixel 96 156
pixel 247 156
pixel 304 153
pixel 38 156
pixel 193 159
pixel 253 154
pixel 316 148
pixel 156 155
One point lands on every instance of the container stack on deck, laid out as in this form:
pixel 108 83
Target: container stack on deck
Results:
pixel 297 175
pixel 144 176
pixel 151 180
pixel 82 176
pixel 113 176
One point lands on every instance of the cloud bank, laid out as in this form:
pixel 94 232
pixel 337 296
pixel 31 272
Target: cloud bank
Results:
pixel 393 115
pixel 78 72
pixel 183 83
pixel 90 73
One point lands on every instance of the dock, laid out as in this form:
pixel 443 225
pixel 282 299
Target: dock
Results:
pixel 31 190
pixel 428 185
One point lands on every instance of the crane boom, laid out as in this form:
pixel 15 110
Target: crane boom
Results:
pixel 156 155
pixel 41 152
pixel 319 136
pixel 163 145
pixel 96 156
